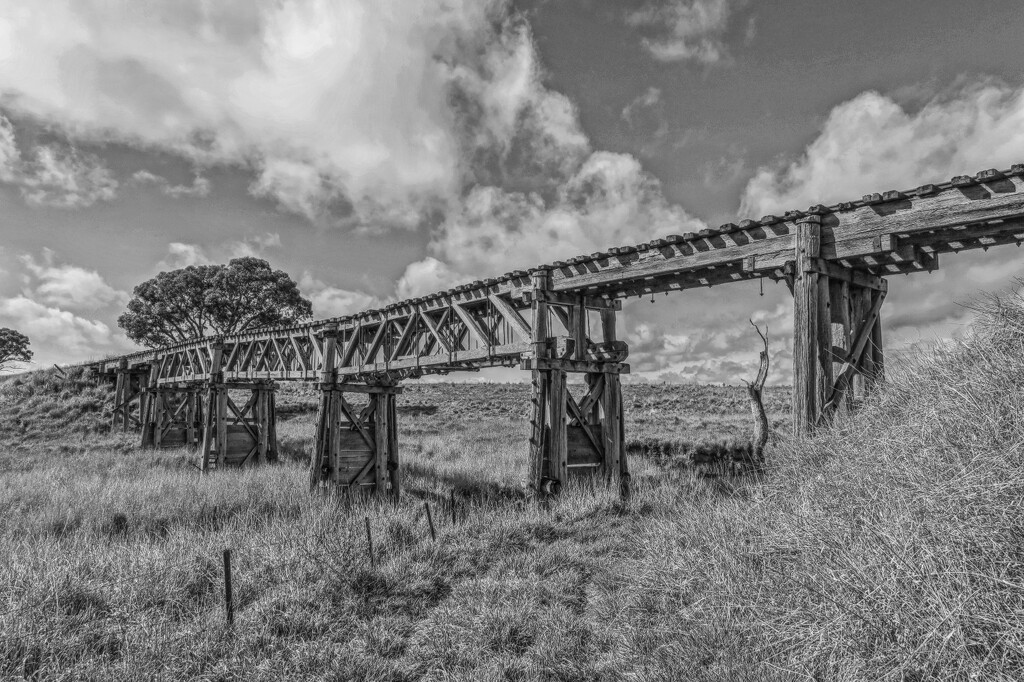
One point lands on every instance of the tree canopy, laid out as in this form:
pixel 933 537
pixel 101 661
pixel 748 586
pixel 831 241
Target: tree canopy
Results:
pixel 201 300
pixel 13 348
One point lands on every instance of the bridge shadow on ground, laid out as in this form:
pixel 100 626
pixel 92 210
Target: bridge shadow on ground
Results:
pixel 685 454
pixel 466 487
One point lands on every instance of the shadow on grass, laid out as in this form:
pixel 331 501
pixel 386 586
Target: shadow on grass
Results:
pixel 467 487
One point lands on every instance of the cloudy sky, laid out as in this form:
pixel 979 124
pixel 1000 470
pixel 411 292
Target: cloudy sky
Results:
pixel 377 149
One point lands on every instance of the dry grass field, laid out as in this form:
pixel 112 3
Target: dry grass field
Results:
pixel 889 547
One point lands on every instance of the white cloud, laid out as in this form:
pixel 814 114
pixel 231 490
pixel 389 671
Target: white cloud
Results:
pixel 685 29
pixel 716 342
pixel 426 277
pixel 368 110
pixel 54 175
pixel 255 245
pixel 54 333
pixel 872 144
pixel 69 286
pixel 368 113
pixel 645 101
pixel 331 301
pixel 200 186
pixel 609 200
pixel 181 255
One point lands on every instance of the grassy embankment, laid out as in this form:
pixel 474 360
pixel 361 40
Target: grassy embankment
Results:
pixel 888 547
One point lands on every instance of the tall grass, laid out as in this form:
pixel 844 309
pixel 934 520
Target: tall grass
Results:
pixel 888 547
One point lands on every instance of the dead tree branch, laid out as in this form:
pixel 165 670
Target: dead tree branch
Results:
pixel 755 390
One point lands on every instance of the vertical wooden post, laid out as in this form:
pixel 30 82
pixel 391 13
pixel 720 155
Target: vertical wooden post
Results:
pixel 611 426
pixel 578 321
pixel 334 430
pixel 381 439
pixel 807 309
pixel 538 419
pixel 860 306
pixel 119 394
pixel 190 418
pixel 823 370
pixel 160 412
pixel 841 330
pixel 558 447
pixel 122 391
pixel 217 424
pixel 229 601
pixel 272 425
pixel 430 521
pixel 220 420
pixel 877 356
pixel 210 407
pixel 147 404
pixel 319 463
pixel 394 474
pixel 263 423
pixel 624 477
pixel 538 430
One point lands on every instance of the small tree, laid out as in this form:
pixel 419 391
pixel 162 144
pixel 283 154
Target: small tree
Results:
pixel 212 299
pixel 13 348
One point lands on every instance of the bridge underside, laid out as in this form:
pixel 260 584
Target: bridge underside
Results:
pixel 556 320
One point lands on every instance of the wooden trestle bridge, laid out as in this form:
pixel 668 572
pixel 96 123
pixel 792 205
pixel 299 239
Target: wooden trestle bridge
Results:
pixel 561 318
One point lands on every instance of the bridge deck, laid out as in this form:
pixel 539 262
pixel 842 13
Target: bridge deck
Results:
pixel 487 323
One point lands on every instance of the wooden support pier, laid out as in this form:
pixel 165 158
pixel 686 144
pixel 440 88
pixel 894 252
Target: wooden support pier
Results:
pixel 570 436
pixel 837 331
pixel 172 417
pixel 836 260
pixel 129 387
pixel 356 445
pixel 235 432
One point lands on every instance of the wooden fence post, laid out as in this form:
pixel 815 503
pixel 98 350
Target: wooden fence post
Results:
pixel 229 602
pixel 430 521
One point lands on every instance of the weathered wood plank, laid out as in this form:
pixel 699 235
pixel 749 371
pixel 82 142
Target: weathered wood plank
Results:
pixel 557 445
pixel 512 316
pixel 580 448
pixel 806 310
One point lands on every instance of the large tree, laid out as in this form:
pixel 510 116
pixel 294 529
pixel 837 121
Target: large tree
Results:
pixel 13 348
pixel 212 299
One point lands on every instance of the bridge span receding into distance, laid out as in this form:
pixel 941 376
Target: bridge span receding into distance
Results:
pixel 560 318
